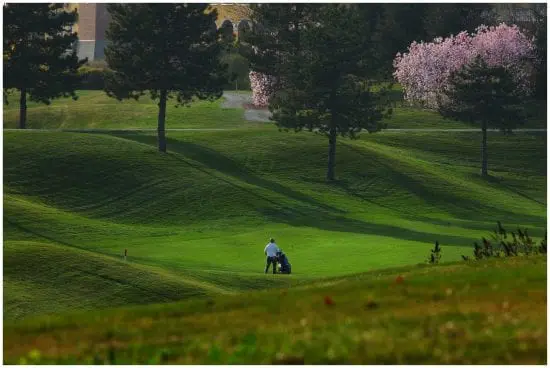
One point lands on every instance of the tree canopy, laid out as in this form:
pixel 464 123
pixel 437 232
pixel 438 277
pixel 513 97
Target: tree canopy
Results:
pixel 166 50
pixel 320 55
pixel 40 58
pixel 484 95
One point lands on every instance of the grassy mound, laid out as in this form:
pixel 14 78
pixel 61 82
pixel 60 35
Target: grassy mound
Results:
pixel 201 214
pixel 489 312
pixel 43 278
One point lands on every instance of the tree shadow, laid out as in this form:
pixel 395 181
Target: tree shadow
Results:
pixel 334 223
pixel 215 160
pixel 458 206
pixel 313 214
pixel 501 182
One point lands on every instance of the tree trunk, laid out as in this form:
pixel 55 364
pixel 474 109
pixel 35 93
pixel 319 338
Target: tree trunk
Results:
pixel 161 120
pixel 484 150
pixel 23 109
pixel 331 153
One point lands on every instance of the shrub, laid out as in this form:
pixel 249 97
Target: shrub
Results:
pixel 98 64
pixel 92 78
pixel 506 244
pixel 435 255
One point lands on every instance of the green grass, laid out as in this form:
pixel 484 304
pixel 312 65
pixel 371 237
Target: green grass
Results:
pixel 45 270
pixel 94 109
pixel 488 312
pixel 416 118
pixel 201 213
pixel 195 221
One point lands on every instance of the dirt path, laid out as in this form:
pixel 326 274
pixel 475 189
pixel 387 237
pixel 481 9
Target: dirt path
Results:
pixel 239 100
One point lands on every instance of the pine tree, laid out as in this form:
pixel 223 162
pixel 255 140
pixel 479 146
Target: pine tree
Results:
pixel 167 50
pixel 444 19
pixel 483 95
pixel 540 35
pixel 40 58
pixel 321 54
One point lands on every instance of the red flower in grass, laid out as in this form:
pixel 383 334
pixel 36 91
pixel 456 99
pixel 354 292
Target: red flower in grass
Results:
pixel 328 300
pixel 399 279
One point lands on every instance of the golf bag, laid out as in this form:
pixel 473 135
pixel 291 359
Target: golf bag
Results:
pixel 284 264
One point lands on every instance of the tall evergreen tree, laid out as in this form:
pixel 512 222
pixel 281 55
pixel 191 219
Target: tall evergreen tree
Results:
pixel 167 50
pixel 321 55
pixel 541 51
pixel 40 58
pixel 276 35
pixel 483 95
pixel 444 19
pixel 395 26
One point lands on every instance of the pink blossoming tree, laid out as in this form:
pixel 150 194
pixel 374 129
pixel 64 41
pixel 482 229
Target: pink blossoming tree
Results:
pixel 424 70
pixel 263 86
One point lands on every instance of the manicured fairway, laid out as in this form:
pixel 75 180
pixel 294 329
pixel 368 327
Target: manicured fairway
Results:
pixel 195 220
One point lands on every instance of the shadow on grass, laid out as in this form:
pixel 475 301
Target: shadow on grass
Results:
pixel 309 213
pixel 444 199
pixel 499 182
pixel 219 162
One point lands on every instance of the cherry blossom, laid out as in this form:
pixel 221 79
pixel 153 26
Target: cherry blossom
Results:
pixel 263 86
pixel 423 71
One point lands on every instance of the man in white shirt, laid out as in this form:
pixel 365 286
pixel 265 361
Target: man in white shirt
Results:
pixel 270 251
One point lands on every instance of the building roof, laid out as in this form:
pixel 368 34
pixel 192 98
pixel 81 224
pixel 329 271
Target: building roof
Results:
pixel 233 12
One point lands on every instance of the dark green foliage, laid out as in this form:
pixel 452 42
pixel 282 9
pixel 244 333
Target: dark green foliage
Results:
pixel 238 69
pixel 389 28
pixel 506 244
pixel 444 19
pixel 541 50
pixel 92 78
pixel 40 58
pixel 435 255
pixel 321 55
pixel 532 21
pixel 394 26
pixel 167 50
pixel 483 95
pixel 542 246
pixel 483 251
pixel 275 36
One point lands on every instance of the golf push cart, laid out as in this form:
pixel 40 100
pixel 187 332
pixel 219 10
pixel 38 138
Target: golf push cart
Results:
pixel 283 263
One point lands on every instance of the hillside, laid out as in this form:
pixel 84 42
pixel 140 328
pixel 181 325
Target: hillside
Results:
pixel 195 220
pixel 489 312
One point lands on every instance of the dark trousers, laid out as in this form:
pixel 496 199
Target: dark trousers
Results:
pixel 271 260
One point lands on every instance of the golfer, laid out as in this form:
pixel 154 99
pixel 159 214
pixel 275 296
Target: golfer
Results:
pixel 270 251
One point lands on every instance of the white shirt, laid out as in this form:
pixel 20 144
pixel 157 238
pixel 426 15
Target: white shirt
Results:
pixel 271 249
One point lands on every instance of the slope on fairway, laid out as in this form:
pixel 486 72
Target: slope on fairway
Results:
pixel 487 312
pixel 41 278
pixel 203 211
